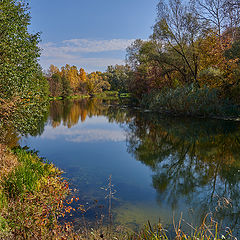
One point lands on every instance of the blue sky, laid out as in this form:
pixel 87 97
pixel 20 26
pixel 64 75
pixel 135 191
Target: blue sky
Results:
pixel 90 33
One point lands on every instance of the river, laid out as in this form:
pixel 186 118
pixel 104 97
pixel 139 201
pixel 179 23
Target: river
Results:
pixel 160 167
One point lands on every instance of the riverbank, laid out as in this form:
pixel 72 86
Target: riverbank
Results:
pixel 107 95
pixel 32 195
pixel 189 101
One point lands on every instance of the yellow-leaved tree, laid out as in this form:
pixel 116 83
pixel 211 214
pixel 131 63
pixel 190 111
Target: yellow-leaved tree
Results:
pixel 95 83
pixel 216 71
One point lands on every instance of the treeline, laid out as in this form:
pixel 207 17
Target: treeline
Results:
pixel 191 62
pixel 69 80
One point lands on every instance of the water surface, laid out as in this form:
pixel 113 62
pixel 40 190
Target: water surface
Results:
pixel 160 167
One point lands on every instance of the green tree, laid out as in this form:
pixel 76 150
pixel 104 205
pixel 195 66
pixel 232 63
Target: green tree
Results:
pixel 118 77
pixel 55 85
pixel 19 51
pixel 66 88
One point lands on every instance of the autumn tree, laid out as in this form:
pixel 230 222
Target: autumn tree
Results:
pixel 74 78
pixel 59 85
pixel 95 83
pixel 55 85
pixel 70 80
pixel 53 70
pixel 118 77
pixel 216 69
pixel 180 32
pixel 154 67
pixel 82 75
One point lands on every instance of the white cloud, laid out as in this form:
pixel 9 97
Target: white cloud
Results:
pixel 85 46
pixel 83 135
pixel 89 64
pixel 98 135
pixel 72 51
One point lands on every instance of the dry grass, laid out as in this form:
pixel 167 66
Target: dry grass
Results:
pixel 8 161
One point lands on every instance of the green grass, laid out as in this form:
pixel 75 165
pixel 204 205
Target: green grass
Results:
pixel 24 178
pixel 31 198
pixel 81 96
pixel 125 95
pixel 106 95
pixel 55 98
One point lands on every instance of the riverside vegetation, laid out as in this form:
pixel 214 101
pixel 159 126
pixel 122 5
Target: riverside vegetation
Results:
pixel 190 66
pixel 189 168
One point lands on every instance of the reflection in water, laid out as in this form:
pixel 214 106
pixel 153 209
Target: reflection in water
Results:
pixel 194 163
pixel 27 120
pixel 193 159
pixel 70 112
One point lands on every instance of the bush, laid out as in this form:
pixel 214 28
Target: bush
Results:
pixel 190 101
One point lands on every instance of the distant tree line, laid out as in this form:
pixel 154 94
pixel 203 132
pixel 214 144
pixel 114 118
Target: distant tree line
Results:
pixel 69 80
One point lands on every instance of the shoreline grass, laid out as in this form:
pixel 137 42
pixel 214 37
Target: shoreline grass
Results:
pixel 32 193
pixel 106 95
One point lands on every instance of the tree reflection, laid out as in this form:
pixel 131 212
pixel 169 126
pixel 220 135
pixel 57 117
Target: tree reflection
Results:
pixel 70 112
pixel 195 160
pixel 192 160
pixel 28 118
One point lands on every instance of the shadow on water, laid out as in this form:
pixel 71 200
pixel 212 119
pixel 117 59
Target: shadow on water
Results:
pixel 194 163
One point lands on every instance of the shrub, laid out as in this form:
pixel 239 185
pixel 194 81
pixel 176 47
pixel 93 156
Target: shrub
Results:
pixel 190 101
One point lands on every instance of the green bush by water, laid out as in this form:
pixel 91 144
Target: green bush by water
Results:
pixel 190 101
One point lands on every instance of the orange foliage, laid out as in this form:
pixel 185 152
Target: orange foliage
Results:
pixel 218 69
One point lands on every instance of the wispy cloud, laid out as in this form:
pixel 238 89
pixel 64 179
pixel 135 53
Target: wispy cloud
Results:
pixel 83 135
pixel 85 46
pixel 75 52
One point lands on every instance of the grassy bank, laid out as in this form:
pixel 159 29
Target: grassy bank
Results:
pixel 32 193
pixel 107 95
pixel 69 97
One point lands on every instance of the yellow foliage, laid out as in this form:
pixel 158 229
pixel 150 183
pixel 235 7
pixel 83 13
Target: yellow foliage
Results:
pixel 215 70
pixel 53 70
pixel 82 74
